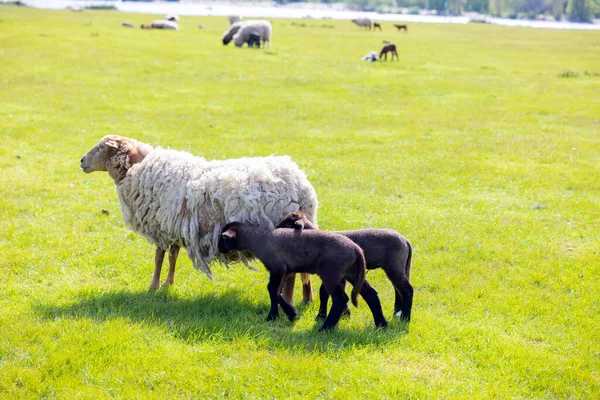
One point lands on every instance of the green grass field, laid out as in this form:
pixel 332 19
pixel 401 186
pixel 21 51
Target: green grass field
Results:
pixel 471 146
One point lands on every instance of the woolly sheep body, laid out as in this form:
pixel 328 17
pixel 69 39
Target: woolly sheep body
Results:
pixel 164 24
pixel 172 197
pixel 366 22
pixel 264 28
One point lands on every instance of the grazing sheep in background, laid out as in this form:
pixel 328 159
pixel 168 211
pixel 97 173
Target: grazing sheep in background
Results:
pixel 383 248
pixel 333 257
pixel 388 48
pixel 376 25
pixel 233 19
pixel 175 199
pixel 233 29
pixel 127 25
pixel 372 56
pixel 254 39
pixel 366 22
pixel 263 27
pixel 162 24
pixel 401 27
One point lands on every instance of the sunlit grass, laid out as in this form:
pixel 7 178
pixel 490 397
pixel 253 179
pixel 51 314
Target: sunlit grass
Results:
pixel 473 146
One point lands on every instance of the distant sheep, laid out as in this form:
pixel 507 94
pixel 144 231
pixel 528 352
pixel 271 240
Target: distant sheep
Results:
pixel 388 48
pixel 401 27
pixel 233 19
pixel 372 56
pixel 175 199
pixel 127 25
pixel 172 17
pixel 263 28
pixel 366 22
pixel 376 25
pixel 162 24
pixel 333 257
pixel 383 248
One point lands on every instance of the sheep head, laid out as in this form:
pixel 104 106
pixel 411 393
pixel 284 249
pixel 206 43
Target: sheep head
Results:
pixel 97 158
pixel 296 220
pixel 228 239
pixel 115 154
pixel 228 35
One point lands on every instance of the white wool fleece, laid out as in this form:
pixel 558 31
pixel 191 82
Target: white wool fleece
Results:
pixel 173 197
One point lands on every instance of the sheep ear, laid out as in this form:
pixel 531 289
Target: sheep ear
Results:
pixel 112 143
pixel 229 234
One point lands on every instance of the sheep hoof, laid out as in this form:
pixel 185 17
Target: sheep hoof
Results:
pixel 272 317
pixel 321 316
pixel 381 324
pixel 153 287
pixel 167 284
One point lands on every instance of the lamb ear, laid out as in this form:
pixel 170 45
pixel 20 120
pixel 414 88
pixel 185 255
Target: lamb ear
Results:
pixel 229 234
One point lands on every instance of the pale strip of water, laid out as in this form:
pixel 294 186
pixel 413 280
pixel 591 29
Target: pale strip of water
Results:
pixel 295 10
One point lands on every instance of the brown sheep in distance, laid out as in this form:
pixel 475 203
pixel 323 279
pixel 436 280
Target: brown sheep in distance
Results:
pixel 401 27
pixel 389 48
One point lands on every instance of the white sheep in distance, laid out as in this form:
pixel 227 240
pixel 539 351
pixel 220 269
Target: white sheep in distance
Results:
pixel 366 22
pixel 162 24
pixel 263 28
pixel 175 199
pixel 233 19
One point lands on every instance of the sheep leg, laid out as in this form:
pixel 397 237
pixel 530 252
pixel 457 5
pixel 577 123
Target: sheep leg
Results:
pixel 403 291
pixel 324 299
pixel 173 253
pixel 288 287
pixel 289 309
pixel 274 286
pixel 159 257
pixel 340 302
pixel 307 292
pixel 372 299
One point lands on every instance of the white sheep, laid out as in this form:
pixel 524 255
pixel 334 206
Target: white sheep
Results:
pixel 175 199
pixel 233 19
pixel 162 24
pixel 234 32
pixel 263 28
pixel 366 22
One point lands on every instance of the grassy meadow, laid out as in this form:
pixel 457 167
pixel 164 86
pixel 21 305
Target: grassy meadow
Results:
pixel 472 146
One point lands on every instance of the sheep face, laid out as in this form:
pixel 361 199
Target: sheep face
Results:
pixel 228 35
pixel 294 220
pixel 228 239
pixel 97 158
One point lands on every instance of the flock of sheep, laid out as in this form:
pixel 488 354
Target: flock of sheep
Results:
pixel 238 209
pixel 257 33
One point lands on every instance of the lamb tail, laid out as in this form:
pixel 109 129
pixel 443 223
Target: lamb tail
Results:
pixel 361 270
pixel 408 261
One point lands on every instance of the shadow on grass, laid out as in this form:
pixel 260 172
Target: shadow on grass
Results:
pixel 225 316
